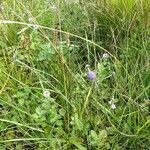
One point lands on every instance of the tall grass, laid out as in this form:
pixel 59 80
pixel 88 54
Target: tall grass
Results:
pixel 45 45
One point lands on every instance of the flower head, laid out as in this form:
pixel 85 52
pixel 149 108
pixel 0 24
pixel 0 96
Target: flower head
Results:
pixel 113 106
pixel 31 19
pixel 36 26
pixel 110 102
pixel 46 94
pixel 105 56
pixel 91 75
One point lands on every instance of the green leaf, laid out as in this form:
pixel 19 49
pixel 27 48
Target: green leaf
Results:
pixel 98 120
pixel 79 146
pixel 47 48
pixel 103 134
pixel 40 111
pixel 94 135
pixel 21 101
pixel 33 45
pixel 78 122
pixel 74 141
pixel 107 145
pixel 46 105
pixel 62 112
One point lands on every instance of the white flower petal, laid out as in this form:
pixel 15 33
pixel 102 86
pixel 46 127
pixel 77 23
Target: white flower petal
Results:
pixel 113 106
pixel 46 93
pixel 105 56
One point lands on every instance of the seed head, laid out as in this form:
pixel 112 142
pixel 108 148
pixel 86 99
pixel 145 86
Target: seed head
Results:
pixel 87 66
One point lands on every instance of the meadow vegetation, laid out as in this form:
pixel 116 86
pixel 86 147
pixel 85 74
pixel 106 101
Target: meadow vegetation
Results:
pixel 46 99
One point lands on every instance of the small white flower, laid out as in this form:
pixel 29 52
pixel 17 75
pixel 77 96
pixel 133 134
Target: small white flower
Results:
pixel 30 19
pixel 36 27
pixel 113 106
pixel 105 56
pixel 46 93
pixel 110 102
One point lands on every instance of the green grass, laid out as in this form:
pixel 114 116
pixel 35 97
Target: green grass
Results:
pixel 45 46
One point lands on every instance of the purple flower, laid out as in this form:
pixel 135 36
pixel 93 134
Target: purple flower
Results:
pixel 91 75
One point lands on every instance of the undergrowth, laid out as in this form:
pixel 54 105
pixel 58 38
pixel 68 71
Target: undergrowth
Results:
pixel 46 100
